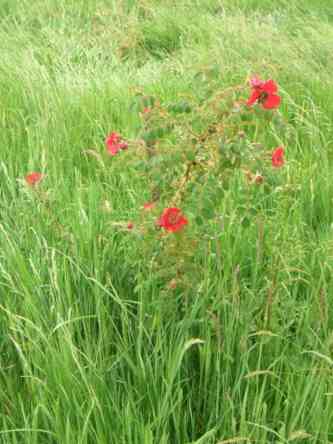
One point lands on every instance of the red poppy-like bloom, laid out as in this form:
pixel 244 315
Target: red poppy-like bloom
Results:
pixel 130 226
pixel 33 179
pixel 149 205
pixel 264 93
pixel 114 143
pixel 172 220
pixel 277 157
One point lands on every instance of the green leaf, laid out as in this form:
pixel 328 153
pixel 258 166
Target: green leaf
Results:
pixel 245 222
pixel 190 155
pixel 180 107
pixel 148 101
pixel 208 209
pixel 199 220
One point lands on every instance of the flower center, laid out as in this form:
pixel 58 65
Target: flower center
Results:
pixel 263 97
pixel 173 218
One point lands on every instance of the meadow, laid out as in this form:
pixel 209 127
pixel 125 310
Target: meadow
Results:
pixel 112 332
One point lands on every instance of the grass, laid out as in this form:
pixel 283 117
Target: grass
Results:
pixel 92 350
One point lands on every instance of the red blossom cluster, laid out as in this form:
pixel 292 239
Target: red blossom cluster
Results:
pixel 265 93
pixel 172 219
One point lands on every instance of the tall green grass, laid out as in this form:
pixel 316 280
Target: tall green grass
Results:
pixel 87 354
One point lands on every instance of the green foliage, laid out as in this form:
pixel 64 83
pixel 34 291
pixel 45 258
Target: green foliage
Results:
pixel 219 333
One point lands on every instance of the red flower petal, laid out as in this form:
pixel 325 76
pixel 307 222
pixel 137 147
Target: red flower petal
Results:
pixel 253 98
pixel 33 178
pixel 113 149
pixel 269 87
pixel 112 139
pixel 272 101
pixel 277 157
pixel 256 82
pixel 130 226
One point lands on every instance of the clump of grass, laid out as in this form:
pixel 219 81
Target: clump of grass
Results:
pixel 91 353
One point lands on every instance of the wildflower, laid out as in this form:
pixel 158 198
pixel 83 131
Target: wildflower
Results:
pixel 130 226
pixel 172 220
pixel 264 93
pixel 277 157
pixel 114 143
pixel 33 179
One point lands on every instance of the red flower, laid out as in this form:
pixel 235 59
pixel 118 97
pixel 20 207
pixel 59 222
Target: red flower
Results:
pixel 264 93
pixel 277 157
pixel 172 220
pixel 130 226
pixel 114 143
pixel 33 179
